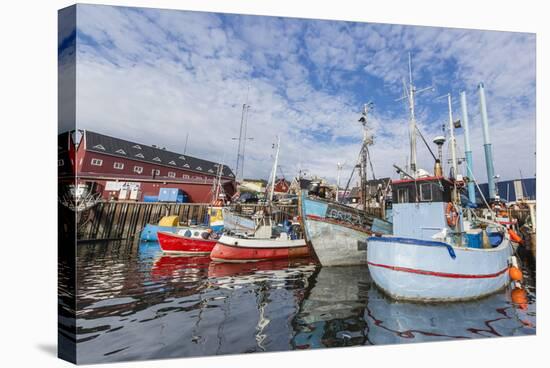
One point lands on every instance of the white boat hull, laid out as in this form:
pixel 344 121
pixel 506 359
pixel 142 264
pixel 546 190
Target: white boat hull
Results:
pixel 336 245
pixel 261 243
pixel 338 233
pixel 413 269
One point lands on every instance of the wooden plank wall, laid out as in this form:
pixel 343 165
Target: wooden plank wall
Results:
pixel 125 220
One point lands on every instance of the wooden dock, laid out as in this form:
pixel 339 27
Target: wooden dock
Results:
pixel 125 220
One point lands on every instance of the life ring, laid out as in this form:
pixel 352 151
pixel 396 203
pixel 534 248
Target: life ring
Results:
pixel 451 214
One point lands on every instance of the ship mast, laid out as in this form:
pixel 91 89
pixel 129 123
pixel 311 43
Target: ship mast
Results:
pixel 218 182
pixel 409 93
pixel 412 122
pixel 452 139
pixel 239 166
pixel 274 170
pixel 452 143
pixel 364 156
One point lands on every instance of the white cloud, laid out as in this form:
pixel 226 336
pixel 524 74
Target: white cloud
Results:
pixel 155 75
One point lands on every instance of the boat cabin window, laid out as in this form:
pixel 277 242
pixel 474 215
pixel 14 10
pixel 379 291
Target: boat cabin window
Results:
pixel 423 190
pixel 426 192
pixel 402 195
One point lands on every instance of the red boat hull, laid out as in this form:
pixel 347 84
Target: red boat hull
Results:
pixel 174 243
pixel 227 253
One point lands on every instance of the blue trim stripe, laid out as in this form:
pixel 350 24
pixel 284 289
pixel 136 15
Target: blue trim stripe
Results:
pixel 429 243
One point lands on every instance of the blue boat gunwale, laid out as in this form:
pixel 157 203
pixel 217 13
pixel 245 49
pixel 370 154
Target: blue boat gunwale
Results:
pixel 412 241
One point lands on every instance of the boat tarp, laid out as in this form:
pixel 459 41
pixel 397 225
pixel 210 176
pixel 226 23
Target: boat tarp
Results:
pixel 169 221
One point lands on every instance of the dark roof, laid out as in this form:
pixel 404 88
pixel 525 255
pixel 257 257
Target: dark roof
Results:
pixel 100 143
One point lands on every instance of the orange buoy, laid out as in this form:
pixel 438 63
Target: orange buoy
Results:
pixel 514 236
pixel 519 296
pixel 515 273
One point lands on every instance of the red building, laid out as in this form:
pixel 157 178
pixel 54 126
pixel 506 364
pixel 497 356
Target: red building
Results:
pixel 129 171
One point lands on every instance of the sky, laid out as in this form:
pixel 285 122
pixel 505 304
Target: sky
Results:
pixel 155 76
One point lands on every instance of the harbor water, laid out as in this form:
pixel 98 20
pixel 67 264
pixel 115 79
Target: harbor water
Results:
pixel 134 303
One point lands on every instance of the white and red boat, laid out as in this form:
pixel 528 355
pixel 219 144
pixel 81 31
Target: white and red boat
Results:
pixel 267 243
pixel 262 246
pixel 233 249
pixel 439 250
pixel 187 240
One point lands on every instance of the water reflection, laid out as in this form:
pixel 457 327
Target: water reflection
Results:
pixel 135 303
pixel 344 308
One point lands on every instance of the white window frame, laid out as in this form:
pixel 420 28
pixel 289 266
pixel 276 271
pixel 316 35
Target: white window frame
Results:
pixel 138 169
pixel 171 174
pixel 155 172
pixel 118 165
pixel 185 176
pixel 96 162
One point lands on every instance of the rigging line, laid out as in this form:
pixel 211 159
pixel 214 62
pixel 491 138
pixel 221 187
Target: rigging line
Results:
pixel 370 163
pixel 349 181
pixel 480 192
pixel 426 143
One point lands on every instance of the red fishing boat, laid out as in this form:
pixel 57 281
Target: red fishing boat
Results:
pixel 191 240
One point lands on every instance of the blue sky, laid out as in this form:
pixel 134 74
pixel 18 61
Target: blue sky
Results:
pixel 154 76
